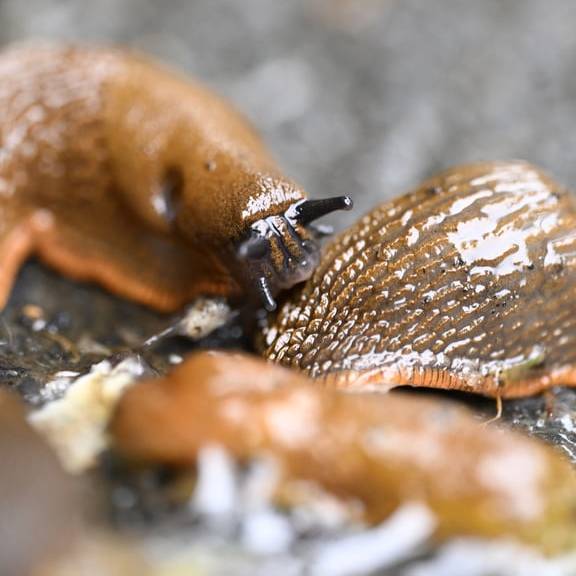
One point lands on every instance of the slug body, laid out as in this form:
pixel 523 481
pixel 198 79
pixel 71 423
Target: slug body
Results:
pixel 41 506
pixel 469 282
pixel 378 450
pixel 116 170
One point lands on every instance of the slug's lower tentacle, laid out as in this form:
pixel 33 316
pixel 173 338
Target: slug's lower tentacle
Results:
pixel 282 251
pixel 265 293
pixel 276 256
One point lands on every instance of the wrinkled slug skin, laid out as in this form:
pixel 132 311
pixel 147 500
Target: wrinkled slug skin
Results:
pixel 117 170
pixel 469 282
pixel 379 450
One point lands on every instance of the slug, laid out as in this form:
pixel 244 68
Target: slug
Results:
pixel 468 282
pixel 42 507
pixel 378 450
pixel 116 170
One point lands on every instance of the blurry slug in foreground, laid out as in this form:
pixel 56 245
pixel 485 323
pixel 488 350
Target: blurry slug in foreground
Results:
pixel 116 170
pixel 41 507
pixel 379 450
pixel 468 282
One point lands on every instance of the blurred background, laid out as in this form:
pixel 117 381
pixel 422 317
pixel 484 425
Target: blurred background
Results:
pixel 361 97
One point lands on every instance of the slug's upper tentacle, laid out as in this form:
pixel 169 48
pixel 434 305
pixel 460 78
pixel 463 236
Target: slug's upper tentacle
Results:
pixel 306 211
pixel 281 251
pixel 468 282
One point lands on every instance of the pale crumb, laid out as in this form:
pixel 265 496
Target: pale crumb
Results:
pixel 266 532
pixel 314 509
pixel 216 494
pixel 204 316
pixel 399 537
pixel 260 483
pixel 67 374
pixel 39 325
pixel 75 425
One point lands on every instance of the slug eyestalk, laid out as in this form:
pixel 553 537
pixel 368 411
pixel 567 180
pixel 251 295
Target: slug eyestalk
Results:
pixel 283 250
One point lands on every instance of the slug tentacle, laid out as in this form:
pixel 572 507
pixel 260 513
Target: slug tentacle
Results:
pixel 306 211
pixel 281 251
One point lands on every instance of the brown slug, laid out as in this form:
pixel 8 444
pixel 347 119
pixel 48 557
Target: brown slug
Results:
pixel 379 450
pixel 116 170
pixel 468 282
pixel 42 508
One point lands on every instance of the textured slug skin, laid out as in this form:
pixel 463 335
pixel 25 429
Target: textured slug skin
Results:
pixel 468 282
pixel 116 170
pixel 379 450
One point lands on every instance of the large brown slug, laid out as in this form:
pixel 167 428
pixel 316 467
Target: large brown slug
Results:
pixel 116 170
pixel 469 282
pixel 379 450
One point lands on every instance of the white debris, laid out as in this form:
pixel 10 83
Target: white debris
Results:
pixel 264 531
pixel 498 558
pixel 75 425
pixel 39 324
pixel 391 542
pixel 175 359
pixel 317 510
pixel 260 484
pixel 204 316
pixel 216 495
pixel 568 423
pixel 57 387
pixel 67 374
pixel 267 532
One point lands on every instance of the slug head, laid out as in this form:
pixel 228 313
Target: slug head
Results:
pixel 283 250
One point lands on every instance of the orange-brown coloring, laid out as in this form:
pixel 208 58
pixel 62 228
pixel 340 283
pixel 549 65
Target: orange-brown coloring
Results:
pixel 379 450
pixel 467 282
pixel 116 170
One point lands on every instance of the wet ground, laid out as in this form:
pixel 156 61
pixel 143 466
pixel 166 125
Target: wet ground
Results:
pixel 53 325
